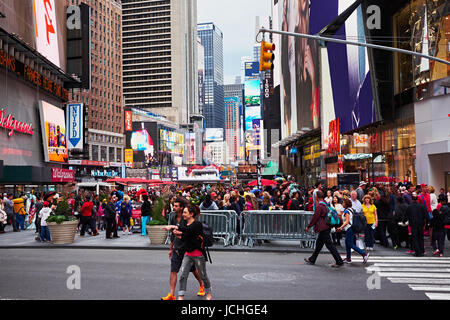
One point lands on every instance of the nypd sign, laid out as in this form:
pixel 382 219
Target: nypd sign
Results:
pixel 75 126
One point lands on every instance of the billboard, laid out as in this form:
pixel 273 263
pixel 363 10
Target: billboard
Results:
pixel 347 67
pixel 53 124
pixel 171 141
pixel 142 142
pixel 214 134
pixel 300 88
pixel 46 30
pixel 128 120
pixel 252 90
pixel 252 69
pixel 75 130
pixel 251 113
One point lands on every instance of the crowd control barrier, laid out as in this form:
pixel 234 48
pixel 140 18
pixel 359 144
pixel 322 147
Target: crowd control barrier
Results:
pixel 277 225
pixel 223 223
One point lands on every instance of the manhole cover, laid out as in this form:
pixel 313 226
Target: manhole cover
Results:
pixel 269 277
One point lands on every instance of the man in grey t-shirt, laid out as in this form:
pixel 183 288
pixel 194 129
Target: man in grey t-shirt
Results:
pixel 356 205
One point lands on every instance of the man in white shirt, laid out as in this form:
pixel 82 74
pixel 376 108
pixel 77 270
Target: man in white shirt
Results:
pixel 356 205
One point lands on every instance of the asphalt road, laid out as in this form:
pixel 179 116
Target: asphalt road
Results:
pixel 143 275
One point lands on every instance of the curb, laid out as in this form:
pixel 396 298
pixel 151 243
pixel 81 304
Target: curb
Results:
pixel 262 250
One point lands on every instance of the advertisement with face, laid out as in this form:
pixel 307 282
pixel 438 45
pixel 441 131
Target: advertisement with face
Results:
pixel 53 132
pixel 300 91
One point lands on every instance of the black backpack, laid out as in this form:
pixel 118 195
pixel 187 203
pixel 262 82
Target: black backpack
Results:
pixel 207 239
pixel 359 221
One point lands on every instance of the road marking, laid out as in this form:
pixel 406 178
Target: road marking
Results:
pixel 419 280
pixel 382 269
pixel 414 274
pixel 411 265
pixel 438 296
pixel 407 258
pixel 402 261
pixel 429 288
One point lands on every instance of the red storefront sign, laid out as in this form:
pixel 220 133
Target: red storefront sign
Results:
pixel 128 121
pixel 63 175
pixel 10 123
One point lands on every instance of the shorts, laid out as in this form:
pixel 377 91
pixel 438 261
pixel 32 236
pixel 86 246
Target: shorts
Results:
pixel 177 260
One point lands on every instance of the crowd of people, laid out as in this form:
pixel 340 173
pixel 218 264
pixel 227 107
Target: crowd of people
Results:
pixel 404 213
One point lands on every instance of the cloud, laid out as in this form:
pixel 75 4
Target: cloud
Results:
pixel 236 19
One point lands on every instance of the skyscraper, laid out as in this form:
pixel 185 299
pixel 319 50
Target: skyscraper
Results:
pixel 104 99
pixel 160 57
pixel 233 111
pixel 214 107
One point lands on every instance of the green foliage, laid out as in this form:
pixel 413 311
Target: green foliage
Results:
pixel 63 209
pixel 157 217
pixel 58 219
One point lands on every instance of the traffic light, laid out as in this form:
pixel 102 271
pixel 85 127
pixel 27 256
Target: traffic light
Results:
pixel 266 62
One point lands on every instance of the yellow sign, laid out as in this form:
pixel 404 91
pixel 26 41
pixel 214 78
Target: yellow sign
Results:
pixel 128 155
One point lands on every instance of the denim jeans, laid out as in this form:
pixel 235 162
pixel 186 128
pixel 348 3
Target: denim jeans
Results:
pixel 349 244
pixel 144 221
pixel 45 233
pixel 20 221
pixel 369 236
pixel 200 265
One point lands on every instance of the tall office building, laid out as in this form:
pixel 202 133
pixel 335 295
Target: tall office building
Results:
pixel 234 97
pixel 160 57
pixel 104 99
pixel 214 107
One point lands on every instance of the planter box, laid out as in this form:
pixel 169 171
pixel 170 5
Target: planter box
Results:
pixel 157 236
pixel 63 233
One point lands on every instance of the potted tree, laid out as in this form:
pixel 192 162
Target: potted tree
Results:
pixel 156 234
pixel 62 225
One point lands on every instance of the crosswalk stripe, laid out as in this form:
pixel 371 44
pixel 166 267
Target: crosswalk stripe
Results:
pixel 371 260
pixel 383 269
pixel 419 280
pixel 406 258
pixel 411 265
pixel 414 274
pixel 438 296
pixel 429 288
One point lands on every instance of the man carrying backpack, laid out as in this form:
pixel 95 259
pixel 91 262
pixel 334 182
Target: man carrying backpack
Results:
pixel 321 227
pixel 353 223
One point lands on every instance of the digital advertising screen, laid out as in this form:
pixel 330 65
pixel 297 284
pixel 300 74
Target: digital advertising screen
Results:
pixel 251 113
pixel 53 124
pixel 252 89
pixel 214 134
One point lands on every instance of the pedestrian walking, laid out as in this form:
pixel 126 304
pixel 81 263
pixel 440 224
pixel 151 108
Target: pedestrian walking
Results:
pixel 43 215
pixel 399 227
pixel 126 212
pixel 440 215
pixel 146 211
pixel 178 250
pixel 110 217
pixel 86 217
pixel 195 254
pixel 9 209
pixel 335 205
pixel 417 216
pixel 3 218
pixel 347 228
pixel 320 227
pixel 370 212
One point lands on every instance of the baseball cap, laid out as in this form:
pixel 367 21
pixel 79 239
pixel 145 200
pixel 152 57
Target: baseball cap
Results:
pixel 362 183
pixel 423 185
pixel 213 194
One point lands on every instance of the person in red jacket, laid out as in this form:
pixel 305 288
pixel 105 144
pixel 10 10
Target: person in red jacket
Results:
pixel 86 217
pixel 324 238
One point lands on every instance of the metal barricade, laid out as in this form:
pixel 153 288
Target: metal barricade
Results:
pixel 277 225
pixel 223 224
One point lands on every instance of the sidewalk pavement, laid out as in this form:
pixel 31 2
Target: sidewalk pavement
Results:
pixel 26 239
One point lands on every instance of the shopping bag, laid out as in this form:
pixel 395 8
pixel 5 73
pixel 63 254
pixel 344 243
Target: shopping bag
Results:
pixel 360 244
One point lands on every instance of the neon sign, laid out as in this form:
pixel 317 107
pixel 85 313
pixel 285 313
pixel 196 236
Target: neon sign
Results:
pixel 10 123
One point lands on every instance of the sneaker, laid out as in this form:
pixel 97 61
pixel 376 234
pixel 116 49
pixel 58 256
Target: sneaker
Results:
pixel 395 247
pixel 130 233
pixel 366 257
pixel 335 265
pixel 441 255
pixel 308 262
pixel 410 251
pixel 436 253
pixel 201 291
pixel 347 260
pixel 169 297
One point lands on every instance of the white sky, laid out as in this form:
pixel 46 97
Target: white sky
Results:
pixel 236 19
